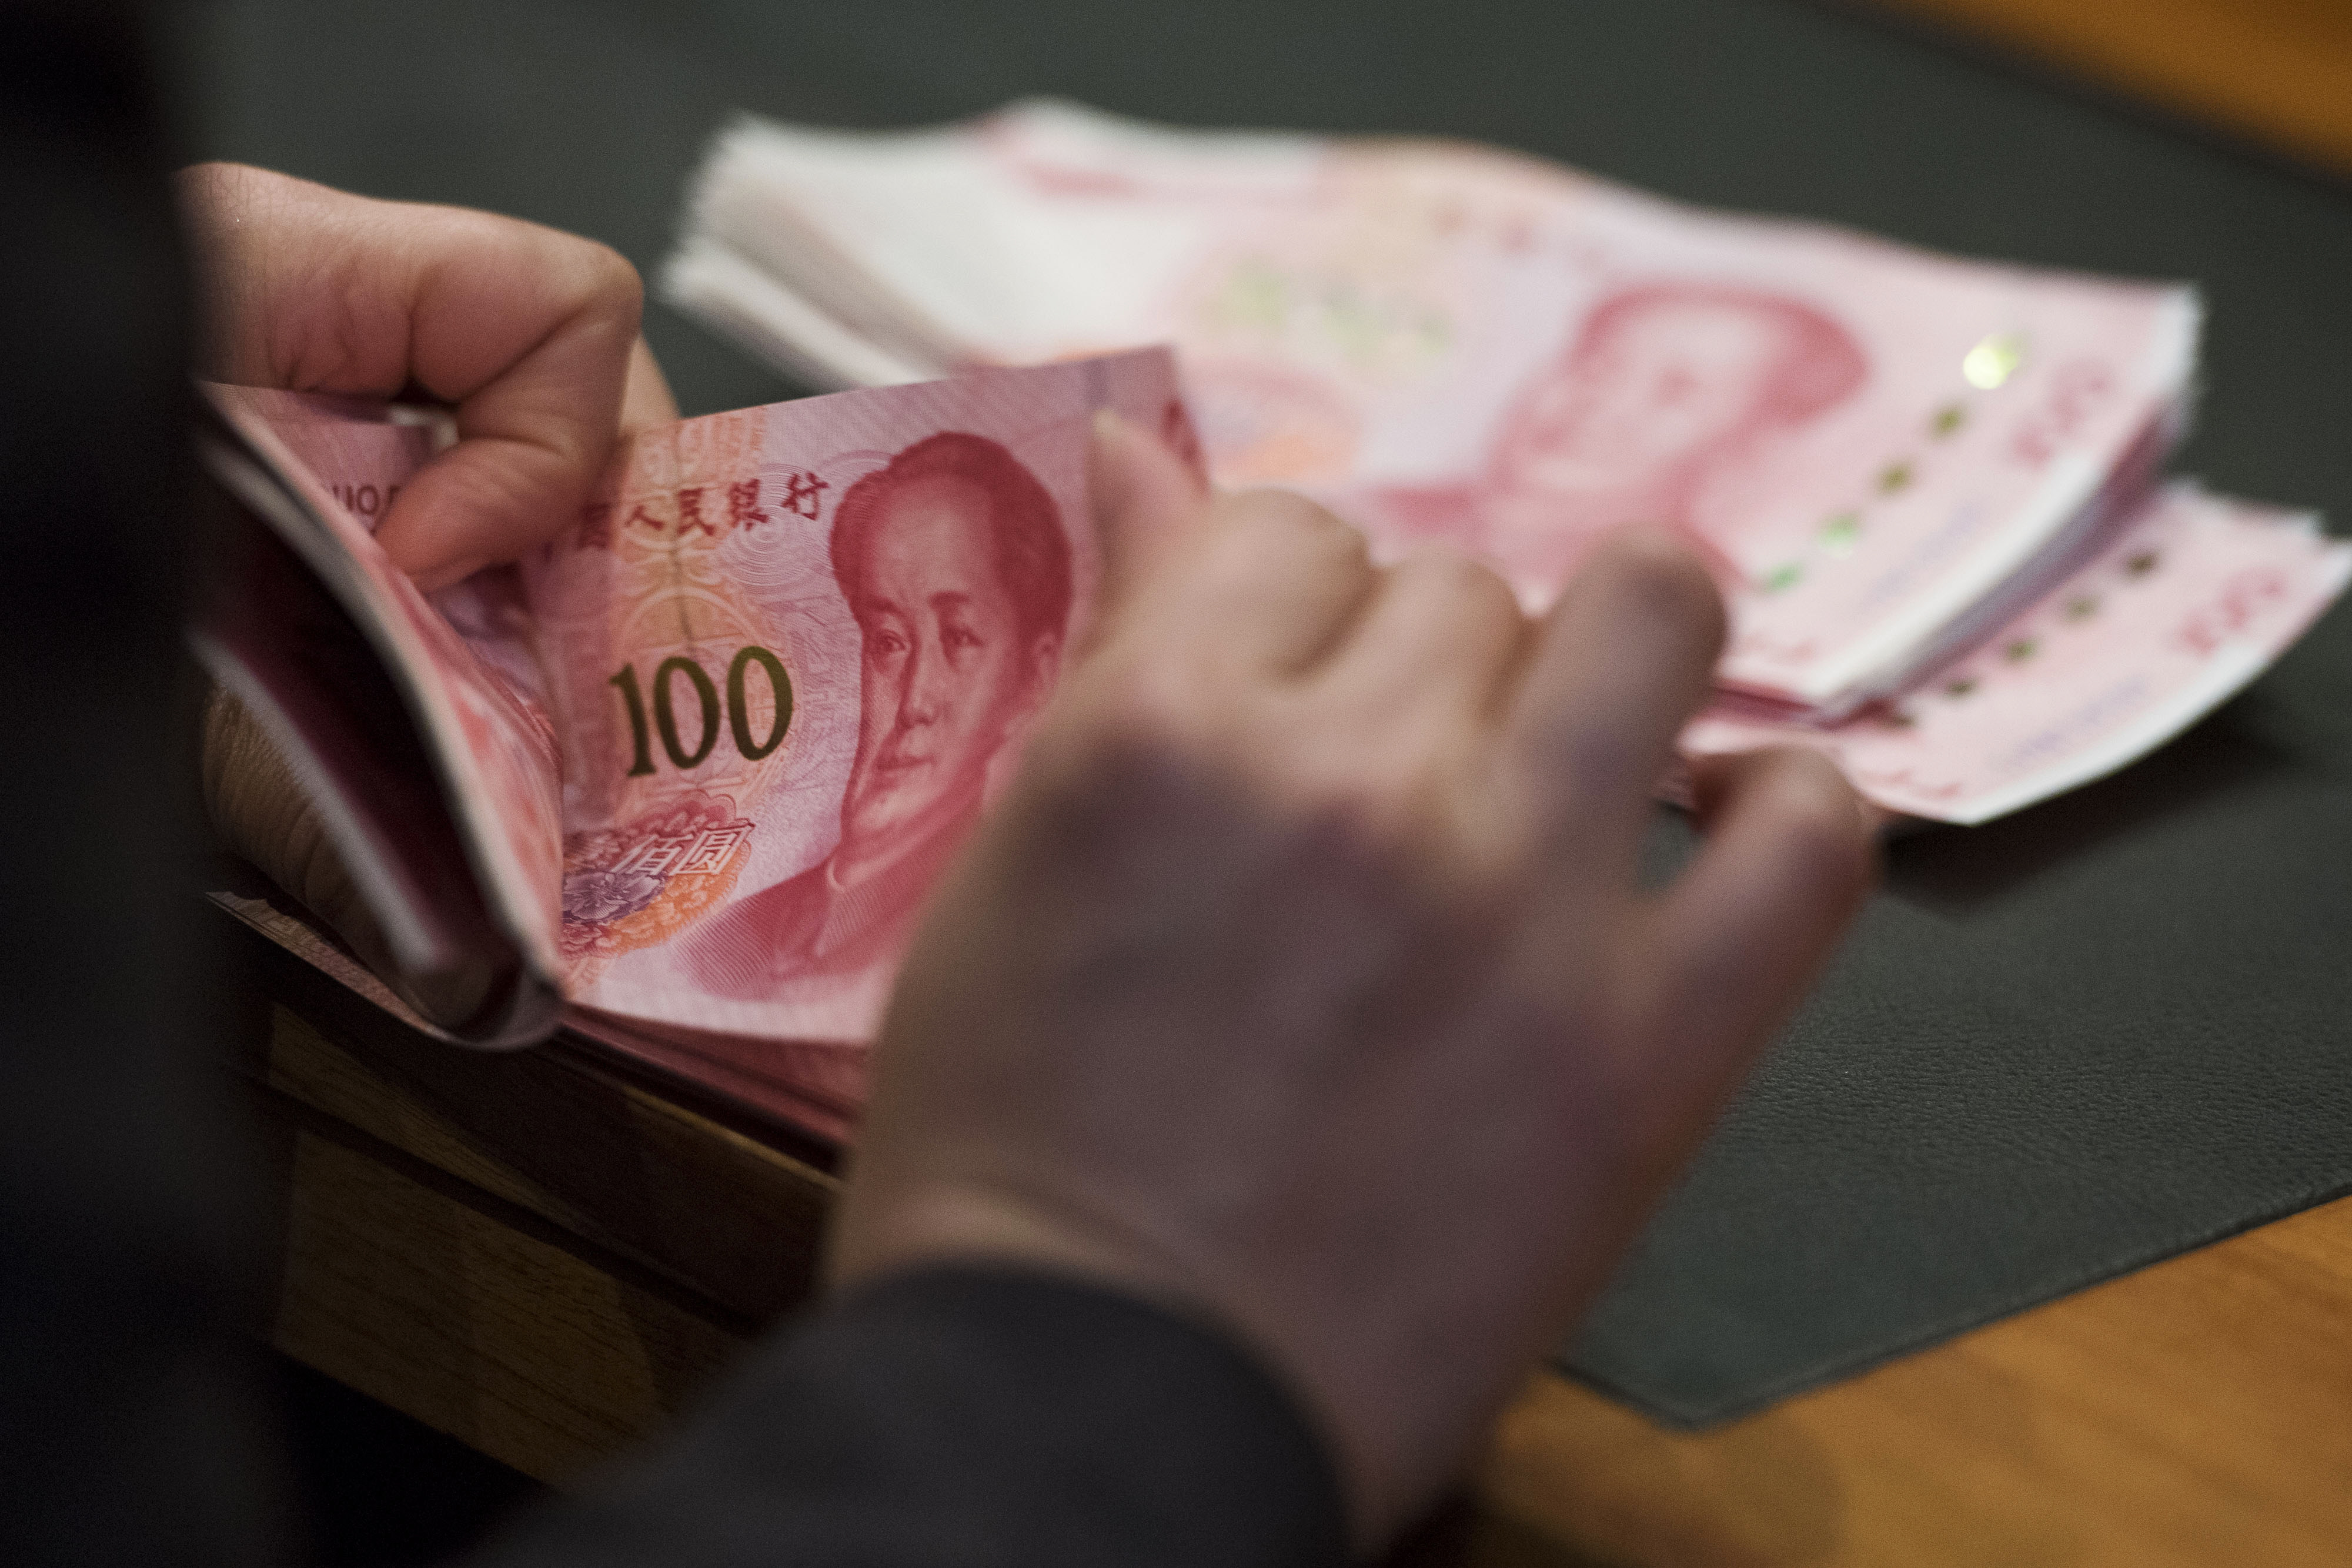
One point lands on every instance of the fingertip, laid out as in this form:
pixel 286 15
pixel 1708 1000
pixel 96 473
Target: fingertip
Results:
pixel 1662 576
pixel 1748 926
pixel 1145 499
pixel 478 503
pixel 646 397
pixel 614 278
pixel 1135 470
pixel 1293 515
pixel 1616 670
pixel 447 574
pixel 1112 429
pixel 1251 532
pixel 430 569
pixel 425 559
pixel 1112 460
pixel 1798 797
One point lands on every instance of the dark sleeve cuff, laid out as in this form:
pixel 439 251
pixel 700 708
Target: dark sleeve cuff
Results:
pixel 974 1417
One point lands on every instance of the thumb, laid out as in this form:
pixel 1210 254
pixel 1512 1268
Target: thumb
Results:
pixel 646 399
pixel 528 335
pixel 531 437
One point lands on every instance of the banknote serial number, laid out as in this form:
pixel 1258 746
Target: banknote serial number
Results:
pixel 703 709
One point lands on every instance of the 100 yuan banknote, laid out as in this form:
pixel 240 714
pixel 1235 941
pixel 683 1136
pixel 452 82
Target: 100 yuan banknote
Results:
pixel 768 678
pixel 792 653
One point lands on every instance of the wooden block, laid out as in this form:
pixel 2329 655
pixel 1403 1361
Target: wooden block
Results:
pixel 507 1341
pixel 612 1162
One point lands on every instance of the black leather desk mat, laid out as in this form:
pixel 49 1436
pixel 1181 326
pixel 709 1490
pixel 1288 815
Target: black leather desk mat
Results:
pixel 2057 1047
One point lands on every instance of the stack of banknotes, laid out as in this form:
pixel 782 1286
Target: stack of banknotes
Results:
pixel 1931 487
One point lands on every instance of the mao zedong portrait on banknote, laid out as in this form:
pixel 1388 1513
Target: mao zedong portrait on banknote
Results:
pixel 1667 388
pixel 955 565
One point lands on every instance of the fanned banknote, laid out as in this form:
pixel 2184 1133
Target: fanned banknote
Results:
pixel 689 769
pixel 434 772
pixel 2190 600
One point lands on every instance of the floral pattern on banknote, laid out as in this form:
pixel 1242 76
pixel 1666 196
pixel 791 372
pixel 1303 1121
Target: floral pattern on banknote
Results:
pixel 640 884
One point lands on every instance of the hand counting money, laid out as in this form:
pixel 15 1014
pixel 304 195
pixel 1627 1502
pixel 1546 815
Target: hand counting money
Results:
pixel 701 757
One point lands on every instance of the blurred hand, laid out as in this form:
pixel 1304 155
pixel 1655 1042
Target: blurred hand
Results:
pixel 1302 982
pixel 530 336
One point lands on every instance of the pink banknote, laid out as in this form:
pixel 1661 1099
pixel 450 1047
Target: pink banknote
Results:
pixel 2192 598
pixel 794 650
pixel 717 739
pixel 1448 343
